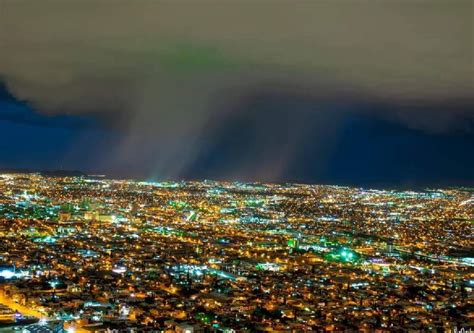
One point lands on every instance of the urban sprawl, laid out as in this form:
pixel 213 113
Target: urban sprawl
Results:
pixel 90 254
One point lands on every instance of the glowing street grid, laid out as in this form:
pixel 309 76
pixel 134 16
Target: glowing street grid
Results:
pixel 90 253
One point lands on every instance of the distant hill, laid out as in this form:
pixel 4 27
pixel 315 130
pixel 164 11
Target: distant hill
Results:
pixel 49 173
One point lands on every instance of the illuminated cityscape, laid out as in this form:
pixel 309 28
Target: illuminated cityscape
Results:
pixel 242 166
pixel 96 254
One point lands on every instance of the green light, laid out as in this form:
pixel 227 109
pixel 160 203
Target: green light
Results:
pixel 292 242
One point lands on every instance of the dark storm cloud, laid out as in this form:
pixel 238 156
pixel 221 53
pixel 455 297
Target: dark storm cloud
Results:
pixel 174 75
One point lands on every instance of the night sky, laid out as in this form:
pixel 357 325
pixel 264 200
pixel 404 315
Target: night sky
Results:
pixel 369 94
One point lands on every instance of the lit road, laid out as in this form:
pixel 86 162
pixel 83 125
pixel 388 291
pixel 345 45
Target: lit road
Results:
pixel 26 311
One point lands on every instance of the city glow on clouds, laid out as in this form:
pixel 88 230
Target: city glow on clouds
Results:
pixel 409 50
pixel 166 73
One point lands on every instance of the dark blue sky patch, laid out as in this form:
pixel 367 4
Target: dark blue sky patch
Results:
pixel 270 138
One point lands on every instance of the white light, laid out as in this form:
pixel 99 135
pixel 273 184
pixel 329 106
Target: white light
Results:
pixel 119 270
pixel 7 274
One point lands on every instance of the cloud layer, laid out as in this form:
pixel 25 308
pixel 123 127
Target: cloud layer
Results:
pixel 172 74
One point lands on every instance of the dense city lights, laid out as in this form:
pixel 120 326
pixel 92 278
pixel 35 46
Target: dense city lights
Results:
pixel 91 252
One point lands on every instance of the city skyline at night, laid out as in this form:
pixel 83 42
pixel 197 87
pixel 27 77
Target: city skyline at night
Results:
pixel 236 166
